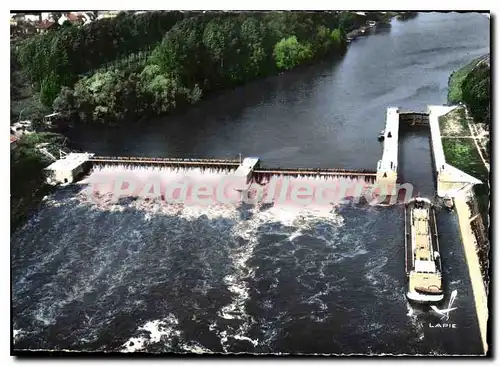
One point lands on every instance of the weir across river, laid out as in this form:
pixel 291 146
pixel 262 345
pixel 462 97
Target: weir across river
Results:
pixel 449 180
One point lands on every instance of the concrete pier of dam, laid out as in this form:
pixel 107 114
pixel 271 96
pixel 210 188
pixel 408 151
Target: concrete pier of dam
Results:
pixel 67 169
pixel 387 167
pixel 449 180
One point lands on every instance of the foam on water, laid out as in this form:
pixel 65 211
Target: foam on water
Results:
pixel 159 330
pixel 417 324
pixel 297 217
pixel 128 236
pixel 17 334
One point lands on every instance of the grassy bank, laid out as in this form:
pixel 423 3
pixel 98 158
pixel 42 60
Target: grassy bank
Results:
pixel 462 154
pixel 182 57
pixel 27 182
pixel 467 85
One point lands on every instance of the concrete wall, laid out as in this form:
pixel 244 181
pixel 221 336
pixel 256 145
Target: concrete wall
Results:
pixel 449 180
pixel 67 169
pixel 437 146
pixel 387 167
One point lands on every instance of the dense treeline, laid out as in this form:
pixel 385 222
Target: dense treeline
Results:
pixel 407 15
pixel 57 58
pixel 476 93
pixel 471 85
pixel 204 53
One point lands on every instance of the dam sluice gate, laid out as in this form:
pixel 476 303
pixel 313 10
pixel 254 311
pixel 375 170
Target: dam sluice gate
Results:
pixel 385 181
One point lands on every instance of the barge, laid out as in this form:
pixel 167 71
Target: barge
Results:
pixel 423 261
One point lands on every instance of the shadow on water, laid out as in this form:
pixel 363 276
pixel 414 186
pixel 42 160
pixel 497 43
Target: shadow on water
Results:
pixel 191 132
pixel 415 164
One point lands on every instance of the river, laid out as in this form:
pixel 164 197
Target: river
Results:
pixel 258 279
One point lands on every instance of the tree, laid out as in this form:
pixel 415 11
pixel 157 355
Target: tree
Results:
pixel 289 53
pixel 222 42
pixel 49 89
pixel 65 103
pixel 338 38
pixel 181 52
pixel 323 41
pixel 91 46
pixel 200 53
pixel 253 34
pixel 476 93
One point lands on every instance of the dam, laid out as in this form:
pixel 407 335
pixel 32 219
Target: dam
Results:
pixel 449 180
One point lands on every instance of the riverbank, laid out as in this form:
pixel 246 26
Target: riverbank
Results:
pixel 472 207
pixel 27 181
pixel 220 51
pixel 466 141
pixel 470 85
pixel 223 51
pixel 461 152
pixel 253 46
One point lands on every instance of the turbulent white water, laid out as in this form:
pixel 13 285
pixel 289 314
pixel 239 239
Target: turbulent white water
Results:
pixel 137 275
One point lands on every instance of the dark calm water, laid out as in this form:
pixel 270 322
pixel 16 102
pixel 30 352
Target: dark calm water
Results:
pixel 259 279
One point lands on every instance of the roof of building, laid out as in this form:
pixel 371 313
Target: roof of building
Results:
pixel 13 139
pixel 45 24
pixel 69 162
pixel 74 17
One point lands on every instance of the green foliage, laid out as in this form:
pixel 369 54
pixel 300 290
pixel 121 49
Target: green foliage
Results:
pixel 289 53
pixel 113 96
pixel 49 89
pixel 476 93
pixel 463 154
pixel 199 54
pixel 323 41
pixel 455 83
pixel 337 37
pixel 350 20
pixel 181 53
pixel 27 181
pixel 253 35
pixel 471 85
pixel 71 51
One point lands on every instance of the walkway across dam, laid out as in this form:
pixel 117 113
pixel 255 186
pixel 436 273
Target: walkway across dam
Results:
pixel 78 163
pixel 449 180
